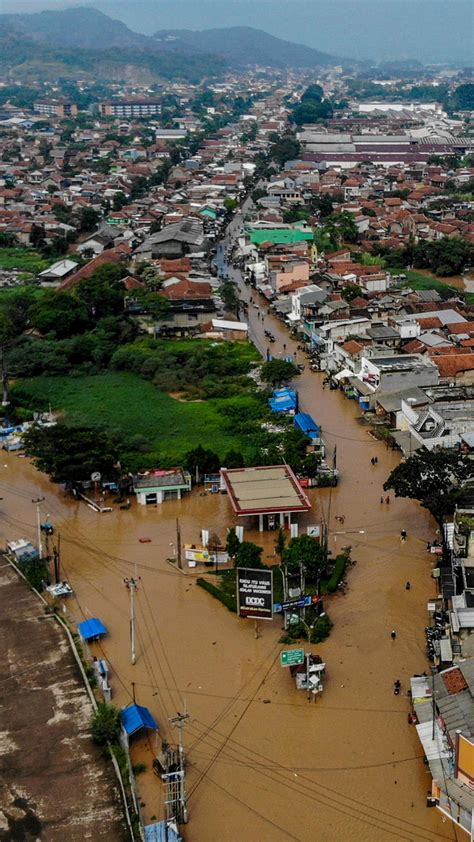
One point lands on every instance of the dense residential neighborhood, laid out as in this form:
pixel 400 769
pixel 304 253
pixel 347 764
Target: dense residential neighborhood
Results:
pixel 237 350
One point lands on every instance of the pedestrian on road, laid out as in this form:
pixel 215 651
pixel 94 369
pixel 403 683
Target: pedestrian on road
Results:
pixel 387 499
pixel 381 499
pixel 407 586
pixel 393 634
pixel 403 535
pixel 376 460
pixel 372 461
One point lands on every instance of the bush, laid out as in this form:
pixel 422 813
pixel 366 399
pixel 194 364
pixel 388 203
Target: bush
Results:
pixel 227 600
pixel 322 629
pixel 37 573
pixel 339 569
pixel 105 724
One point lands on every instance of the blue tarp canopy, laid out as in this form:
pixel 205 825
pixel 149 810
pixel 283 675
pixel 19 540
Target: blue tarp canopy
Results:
pixel 136 717
pixel 306 424
pixel 159 832
pixel 283 400
pixel 90 629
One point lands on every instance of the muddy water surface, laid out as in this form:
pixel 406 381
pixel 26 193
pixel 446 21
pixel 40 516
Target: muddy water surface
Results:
pixel 264 763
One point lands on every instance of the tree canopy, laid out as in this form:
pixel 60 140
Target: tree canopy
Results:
pixel 249 555
pixel 437 478
pixel 70 454
pixel 275 372
pixel 305 551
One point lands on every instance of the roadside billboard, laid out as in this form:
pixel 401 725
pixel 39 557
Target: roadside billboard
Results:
pixel 255 593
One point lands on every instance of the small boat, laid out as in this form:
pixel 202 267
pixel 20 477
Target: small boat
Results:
pixel 145 540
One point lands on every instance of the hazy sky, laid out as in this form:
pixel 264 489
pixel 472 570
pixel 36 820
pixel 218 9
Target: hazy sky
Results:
pixel 431 30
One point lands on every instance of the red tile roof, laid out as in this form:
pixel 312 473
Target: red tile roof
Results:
pixel 450 365
pixel 115 255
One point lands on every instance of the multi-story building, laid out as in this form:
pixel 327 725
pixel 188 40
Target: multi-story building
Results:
pixel 131 108
pixel 55 108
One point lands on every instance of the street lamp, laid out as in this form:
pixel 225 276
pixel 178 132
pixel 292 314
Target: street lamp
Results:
pixel 309 628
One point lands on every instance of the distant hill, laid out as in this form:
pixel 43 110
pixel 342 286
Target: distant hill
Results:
pixel 242 46
pixel 82 42
pixel 79 27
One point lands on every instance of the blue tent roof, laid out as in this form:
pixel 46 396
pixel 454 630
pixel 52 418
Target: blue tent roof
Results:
pixel 136 717
pixel 306 424
pixel 90 629
pixel 158 832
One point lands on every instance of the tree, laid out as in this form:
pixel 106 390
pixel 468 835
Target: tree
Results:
pixel 276 372
pixel 233 459
pixel 463 97
pixel 230 204
pixel 249 555
pixel 280 544
pixel 313 93
pixel 119 200
pixel 286 148
pixel 16 307
pixel 351 291
pixel 102 294
pixel 205 461
pixel 70 454
pixel 436 478
pixel 105 724
pixel 312 112
pixel 308 552
pixel 232 544
pixel 59 313
pixel 156 305
pixel 88 219
pixel 230 297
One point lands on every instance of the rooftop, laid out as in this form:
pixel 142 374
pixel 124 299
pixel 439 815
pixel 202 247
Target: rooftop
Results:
pixel 264 490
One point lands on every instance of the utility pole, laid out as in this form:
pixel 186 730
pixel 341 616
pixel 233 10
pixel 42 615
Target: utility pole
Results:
pixel 5 398
pixel 178 544
pixel 37 501
pixel 132 587
pixel 180 721
pixel 57 560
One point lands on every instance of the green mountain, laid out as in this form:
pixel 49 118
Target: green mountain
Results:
pixel 84 43
pixel 242 46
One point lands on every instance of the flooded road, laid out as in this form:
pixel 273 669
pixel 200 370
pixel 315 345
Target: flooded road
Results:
pixel 263 762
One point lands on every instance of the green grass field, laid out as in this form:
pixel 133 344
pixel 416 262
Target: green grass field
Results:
pixel 132 406
pixel 25 260
pixel 418 280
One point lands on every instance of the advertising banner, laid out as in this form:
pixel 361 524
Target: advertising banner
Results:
pixel 255 593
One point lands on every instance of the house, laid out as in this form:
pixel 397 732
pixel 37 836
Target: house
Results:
pixel 119 254
pixel 455 369
pixel 444 714
pixel 191 305
pixel 393 373
pixel 231 331
pixel 154 487
pixel 174 241
pixel 58 272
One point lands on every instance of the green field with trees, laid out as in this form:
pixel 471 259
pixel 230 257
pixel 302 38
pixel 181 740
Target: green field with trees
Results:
pixel 153 426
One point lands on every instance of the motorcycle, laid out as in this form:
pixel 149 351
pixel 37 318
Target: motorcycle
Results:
pixel 397 687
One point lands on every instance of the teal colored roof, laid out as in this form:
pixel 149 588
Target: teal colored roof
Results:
pixel 279 235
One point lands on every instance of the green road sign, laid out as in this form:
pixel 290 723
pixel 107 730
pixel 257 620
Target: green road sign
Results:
pixel 292 657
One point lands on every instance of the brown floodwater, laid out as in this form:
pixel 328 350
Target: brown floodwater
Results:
pixel 263 762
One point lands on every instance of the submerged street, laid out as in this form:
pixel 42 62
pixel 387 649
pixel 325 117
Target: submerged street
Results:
pixel 262 761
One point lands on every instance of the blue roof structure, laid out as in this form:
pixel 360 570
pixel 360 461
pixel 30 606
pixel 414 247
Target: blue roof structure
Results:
pixel 159 832
pixel 307 425
pixel 283 400
pixel 91 629
pixel 136 717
